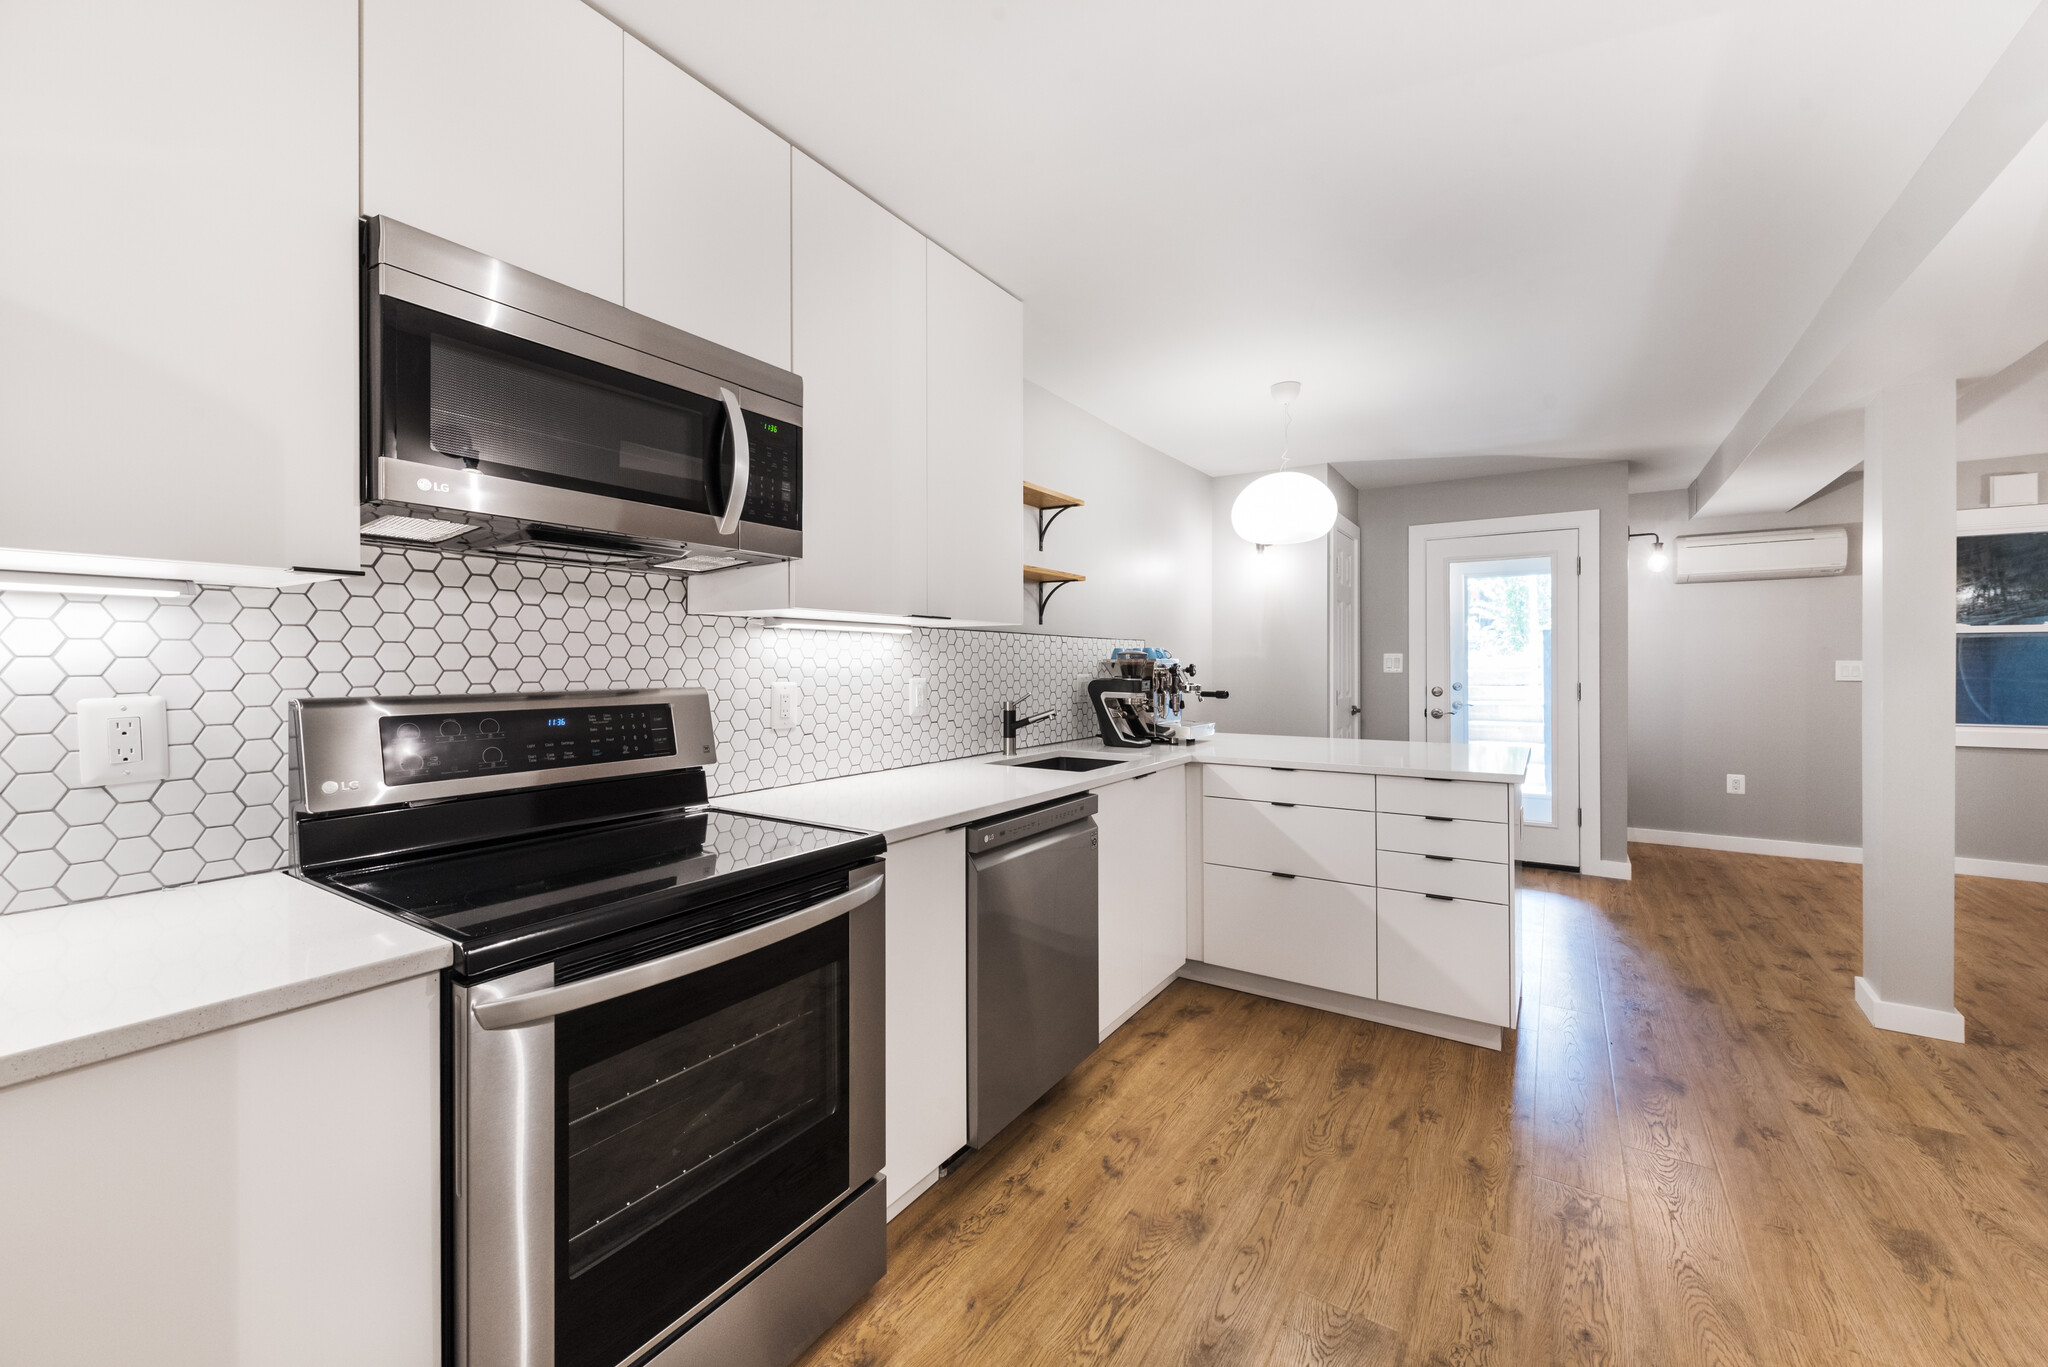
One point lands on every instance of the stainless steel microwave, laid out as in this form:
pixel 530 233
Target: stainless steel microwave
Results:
pixel 507 414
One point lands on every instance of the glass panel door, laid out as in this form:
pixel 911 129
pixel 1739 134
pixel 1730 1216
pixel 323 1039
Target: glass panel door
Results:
pixel 698 1124
pixel 1503 667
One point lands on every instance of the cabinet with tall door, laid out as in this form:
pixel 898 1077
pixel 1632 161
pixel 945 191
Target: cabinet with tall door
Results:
pixel 179 330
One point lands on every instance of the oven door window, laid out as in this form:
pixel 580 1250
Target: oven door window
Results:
pixel 699 1124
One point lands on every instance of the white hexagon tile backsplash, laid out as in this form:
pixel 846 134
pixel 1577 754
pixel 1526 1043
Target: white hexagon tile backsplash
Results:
pixel 229 663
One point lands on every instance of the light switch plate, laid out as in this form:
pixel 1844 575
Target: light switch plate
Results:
pixel 920 701
pixel 782 706
pixel 1390 664
pixel 1848 671
pixel 123 740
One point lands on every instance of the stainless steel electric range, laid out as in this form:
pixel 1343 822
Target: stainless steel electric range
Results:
pixel 664 1037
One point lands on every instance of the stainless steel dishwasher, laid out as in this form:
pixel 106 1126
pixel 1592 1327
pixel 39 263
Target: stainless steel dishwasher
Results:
pixel 1032 957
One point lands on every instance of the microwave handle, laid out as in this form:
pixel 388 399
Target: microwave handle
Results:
pixel 729 521
pixel 546 1002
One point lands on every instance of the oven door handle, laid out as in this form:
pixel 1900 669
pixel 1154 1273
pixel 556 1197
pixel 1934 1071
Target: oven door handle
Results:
pixel 546 1002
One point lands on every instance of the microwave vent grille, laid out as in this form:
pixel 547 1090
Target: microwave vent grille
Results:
pixel 417 531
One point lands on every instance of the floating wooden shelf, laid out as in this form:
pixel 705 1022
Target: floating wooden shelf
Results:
pixel 1059 579
pixel 1038 496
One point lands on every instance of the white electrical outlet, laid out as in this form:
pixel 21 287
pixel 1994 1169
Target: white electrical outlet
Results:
pixel 1848 671
pixel 123 740
pixel 920 701
pixel 782 706
pixel 1390 664
pixel 1738 784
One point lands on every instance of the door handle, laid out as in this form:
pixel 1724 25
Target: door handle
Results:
pixel 742 466
pixel 1356 709
pixel 1436 714
pixel 544 1002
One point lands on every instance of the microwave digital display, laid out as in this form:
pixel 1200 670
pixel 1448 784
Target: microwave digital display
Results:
pixel 445 745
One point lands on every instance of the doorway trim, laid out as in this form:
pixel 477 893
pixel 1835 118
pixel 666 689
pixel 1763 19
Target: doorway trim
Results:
pixel 1593 856
pixel 1356 721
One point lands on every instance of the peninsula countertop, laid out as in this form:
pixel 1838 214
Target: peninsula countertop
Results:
pixel 912 801
pixel 96 980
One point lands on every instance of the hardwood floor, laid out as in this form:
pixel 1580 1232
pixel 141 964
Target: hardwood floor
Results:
pixel 1695 1151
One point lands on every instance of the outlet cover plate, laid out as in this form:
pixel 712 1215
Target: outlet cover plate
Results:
pixel 920 700
pixel 96 763
pixel 1738 784
pixel 1848 671
pixel 782 705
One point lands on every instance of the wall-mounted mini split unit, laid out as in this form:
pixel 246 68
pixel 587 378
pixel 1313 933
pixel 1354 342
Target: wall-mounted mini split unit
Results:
pixel 1788 553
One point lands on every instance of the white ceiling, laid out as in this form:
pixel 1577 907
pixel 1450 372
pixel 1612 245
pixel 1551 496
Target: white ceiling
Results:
pixel 1478 231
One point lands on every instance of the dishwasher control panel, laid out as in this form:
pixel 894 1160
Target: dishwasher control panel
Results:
pixel 1011 827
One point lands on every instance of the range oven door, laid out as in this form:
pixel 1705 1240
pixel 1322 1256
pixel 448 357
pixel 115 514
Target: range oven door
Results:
pixel 633 1146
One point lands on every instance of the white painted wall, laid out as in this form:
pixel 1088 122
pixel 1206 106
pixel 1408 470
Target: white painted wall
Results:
pixel 1143 539
pixel 1272 622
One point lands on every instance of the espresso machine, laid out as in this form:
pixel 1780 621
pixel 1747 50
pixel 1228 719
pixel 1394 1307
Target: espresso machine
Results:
pixel 1141 694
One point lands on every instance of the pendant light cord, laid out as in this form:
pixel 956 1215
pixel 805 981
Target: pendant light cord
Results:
pixel 1286 431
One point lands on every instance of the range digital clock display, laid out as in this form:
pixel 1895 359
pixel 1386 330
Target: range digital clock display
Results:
pixel 448 745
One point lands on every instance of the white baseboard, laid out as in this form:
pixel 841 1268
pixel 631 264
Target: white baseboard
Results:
pixel 1748 844
pixel 1455 1028
pixel 1608 868
pixel 1931 1022
pixel 2000 868
pixel 1840 854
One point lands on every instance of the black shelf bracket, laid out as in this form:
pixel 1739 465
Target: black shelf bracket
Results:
pixel 1045 593
pixel 1045 523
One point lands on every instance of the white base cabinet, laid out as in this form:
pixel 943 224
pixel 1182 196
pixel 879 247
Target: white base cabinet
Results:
pixel 926 1009
pixel 1411 904
pixel 269 1193
pixel 1143 908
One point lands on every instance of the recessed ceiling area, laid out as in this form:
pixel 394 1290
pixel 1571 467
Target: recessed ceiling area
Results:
pixel 1483 235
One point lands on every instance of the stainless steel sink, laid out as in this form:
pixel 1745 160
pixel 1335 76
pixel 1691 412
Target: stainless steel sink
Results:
pixel 1072 764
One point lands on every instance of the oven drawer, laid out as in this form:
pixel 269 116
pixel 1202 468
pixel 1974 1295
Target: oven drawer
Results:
pixel 1466 800
pixel 1455 958
pixel 1443 835
pixel 1318 842
pixel 1300 930
pixel 1474 879
pixel 1309 787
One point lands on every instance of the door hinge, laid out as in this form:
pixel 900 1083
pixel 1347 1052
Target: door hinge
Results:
pixel 1582 691
pixel 1580 565
pixel 1582 816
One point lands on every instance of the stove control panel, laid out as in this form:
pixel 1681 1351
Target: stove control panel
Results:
pixel 429 749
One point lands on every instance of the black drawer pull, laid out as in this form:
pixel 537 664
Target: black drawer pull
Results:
pixel 1283 804
pixel 1438 818
pixel 1290 877
pixel 1439 897
pixel 1278 770
pixel 1440 858
pixel 1439 780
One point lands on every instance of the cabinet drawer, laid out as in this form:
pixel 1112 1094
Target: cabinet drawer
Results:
pixel 1456 958
pixel 1475 879
pixel 1469 801
pixel 1310 787
pixel 1437 835
pixel 1300 930
pixel 1320 842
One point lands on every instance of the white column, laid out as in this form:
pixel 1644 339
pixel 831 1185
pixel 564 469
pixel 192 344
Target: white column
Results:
pixel 1909 758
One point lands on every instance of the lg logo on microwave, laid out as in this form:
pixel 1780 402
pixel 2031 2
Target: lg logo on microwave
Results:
pixel 330 787
pixel 428 486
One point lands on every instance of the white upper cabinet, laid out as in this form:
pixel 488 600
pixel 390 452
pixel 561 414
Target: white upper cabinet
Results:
pixel 498 124
pixel 178 336
pixel 977 443
pixel 858 341
pixel 707 212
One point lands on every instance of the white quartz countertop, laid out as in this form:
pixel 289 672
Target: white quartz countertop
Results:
pixel 96 980
pixel 904 803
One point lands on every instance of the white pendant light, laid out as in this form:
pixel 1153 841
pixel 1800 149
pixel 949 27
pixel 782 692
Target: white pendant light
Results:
pixel 1287 506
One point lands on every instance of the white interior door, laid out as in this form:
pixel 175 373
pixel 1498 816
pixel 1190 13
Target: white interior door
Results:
pixel 1344 704
pixel 1500 666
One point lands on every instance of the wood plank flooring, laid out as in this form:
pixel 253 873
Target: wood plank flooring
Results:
pixel 1695 1151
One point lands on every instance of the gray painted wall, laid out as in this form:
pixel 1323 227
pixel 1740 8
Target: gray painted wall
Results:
pixel 1739 678
pixel 1142 539
pixel 1384 518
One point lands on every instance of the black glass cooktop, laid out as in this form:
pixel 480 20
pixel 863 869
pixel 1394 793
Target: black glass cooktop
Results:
pixel 523 900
